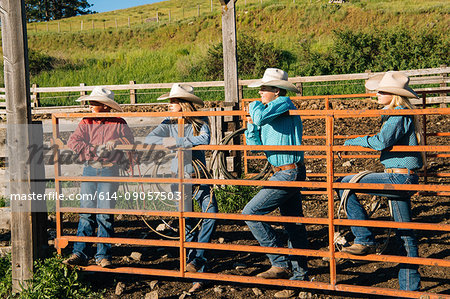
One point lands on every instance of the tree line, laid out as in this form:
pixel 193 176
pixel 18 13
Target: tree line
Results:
pixel 47 10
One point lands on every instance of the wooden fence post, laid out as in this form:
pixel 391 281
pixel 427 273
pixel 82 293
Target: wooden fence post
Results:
pixel 157 17
pixel 35 96
pixel 116 22
pixel 81 25
pixel 132 94
pixel 368 77
pixel 240 93
pixel 231 80
pixel 59 27
pixel 82 93
pixel 300 88
pixel 443 84
pixel 18 139
pixel 170 16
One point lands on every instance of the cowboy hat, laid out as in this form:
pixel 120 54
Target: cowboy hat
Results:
pixel 103 96
pixel 183 92
pixel 276 78
pixel 392 82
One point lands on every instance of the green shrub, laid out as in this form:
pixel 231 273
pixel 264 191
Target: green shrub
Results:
pixel 51 279
pixel 232 199
pixel 5 276
pixel 254 56
pixel 2 202
pixel 377 50
pixel 39 62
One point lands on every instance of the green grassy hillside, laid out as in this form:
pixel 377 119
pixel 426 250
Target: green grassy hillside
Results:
pixel 309 37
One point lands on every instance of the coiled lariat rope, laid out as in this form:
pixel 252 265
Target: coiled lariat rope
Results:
pixel 222 162
pixel 199 169
pixel 339 240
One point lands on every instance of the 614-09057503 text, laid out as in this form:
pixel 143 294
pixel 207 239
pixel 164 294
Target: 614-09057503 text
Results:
pixel 154 195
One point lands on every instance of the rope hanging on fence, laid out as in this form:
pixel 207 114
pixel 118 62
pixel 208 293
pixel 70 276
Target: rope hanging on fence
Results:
pixel 222 163
pixel 199 169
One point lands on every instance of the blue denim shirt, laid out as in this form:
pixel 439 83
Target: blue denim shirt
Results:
pixel 273 126
pixel 170 129
pixel 395 130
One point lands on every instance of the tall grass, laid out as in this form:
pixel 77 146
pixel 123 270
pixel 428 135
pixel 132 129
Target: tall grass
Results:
pixel 177 51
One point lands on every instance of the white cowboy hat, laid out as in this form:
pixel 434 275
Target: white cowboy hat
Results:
pixel 182 91
pixel 392 82
pixel 101 95
pixel 276 78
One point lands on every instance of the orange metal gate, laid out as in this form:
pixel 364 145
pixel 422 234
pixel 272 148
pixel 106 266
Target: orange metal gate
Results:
pixel 329 185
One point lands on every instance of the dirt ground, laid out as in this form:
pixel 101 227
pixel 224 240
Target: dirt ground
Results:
pixel 425 208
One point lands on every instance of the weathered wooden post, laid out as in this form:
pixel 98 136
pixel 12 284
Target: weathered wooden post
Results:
pixel 230 74
pixel 82 93
pixel 36 98
pixel 132 93
pixel 443 84
pixel 19 138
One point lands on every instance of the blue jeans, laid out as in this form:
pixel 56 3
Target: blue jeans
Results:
pixel 202 234
pixel 86 225
pixel 409 277
pixel 289 201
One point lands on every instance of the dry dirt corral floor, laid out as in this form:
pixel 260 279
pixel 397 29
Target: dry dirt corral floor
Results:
pixel 427 209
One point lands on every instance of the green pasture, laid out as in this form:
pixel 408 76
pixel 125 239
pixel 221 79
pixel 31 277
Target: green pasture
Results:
pixel 303 37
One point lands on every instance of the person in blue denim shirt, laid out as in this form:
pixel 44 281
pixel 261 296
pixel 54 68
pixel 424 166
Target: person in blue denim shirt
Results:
pixel 270 124
pixel 94 140
pixel 400 168
pixel 196 132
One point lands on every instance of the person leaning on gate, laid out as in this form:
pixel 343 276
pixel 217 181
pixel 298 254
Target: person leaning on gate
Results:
pixel 393 92
pixel 94 140
pixel 270 124
pixel 196 132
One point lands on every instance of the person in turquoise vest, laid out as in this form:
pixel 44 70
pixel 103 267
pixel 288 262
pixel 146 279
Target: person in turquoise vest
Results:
pixel 196 132
pixel 393 92
pixel 270 124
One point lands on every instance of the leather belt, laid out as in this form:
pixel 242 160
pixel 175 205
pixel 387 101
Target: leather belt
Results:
pixel 98 164
pixel 287 166
pixel 399 170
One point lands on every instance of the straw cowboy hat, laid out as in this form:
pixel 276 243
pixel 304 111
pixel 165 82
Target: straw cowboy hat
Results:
pixel 392 82
pixel 276 78
pixel 183 92
pixel 102 95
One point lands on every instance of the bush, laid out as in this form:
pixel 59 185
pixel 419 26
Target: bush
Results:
pixel 5 276
pixel 39 62
pixel 254 57
pixel 232 199
pixel 2 202
pixel 377 50
pixel 51 279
